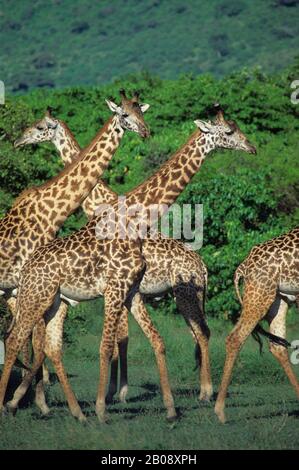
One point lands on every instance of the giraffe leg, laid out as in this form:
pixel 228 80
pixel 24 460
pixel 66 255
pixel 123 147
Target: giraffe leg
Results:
pixel 26 381
pixel 277 320
pixel 53 350
pixel 46 375
pixel 49 341
pixel 113 309
pixel 256 302
pixel 26 350
pixel 113 374
pixel 141 316
pixel 190 305
pixel 38 341
pixel 34 316
pixel 119 354
pixel 122 341
pixel 19 334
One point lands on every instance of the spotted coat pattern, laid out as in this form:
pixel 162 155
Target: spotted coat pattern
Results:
pixel 271 282
pixel 82 267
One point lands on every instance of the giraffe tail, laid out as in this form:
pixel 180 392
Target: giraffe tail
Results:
pixel 204 326
pixel 197 356
pixel 259 330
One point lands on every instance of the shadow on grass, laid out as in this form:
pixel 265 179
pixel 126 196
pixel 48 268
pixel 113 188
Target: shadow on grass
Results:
pixel 14 381
pixel 279 414
pixel 29 397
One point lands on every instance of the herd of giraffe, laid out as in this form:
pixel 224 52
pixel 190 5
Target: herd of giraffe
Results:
pixel 41 274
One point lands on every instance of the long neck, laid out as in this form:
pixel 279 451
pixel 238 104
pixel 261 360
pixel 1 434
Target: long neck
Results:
pixel 66 144
pixel 62 195
pixel 164 186
pixel 69 150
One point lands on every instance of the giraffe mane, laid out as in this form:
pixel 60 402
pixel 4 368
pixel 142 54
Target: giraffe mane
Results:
pixel 195 134
pixel 70 133
pixel 24 194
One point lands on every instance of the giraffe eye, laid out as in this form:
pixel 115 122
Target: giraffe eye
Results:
pixel 125 115
pixel 39 128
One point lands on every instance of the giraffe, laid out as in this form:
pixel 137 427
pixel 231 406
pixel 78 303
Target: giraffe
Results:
pixel 271 281
pixel 186 278
pixel 84 266
pixel 39 212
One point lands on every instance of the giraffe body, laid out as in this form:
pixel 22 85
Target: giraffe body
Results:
pixel 271 281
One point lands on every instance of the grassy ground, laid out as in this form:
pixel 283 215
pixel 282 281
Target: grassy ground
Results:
pixel 262 408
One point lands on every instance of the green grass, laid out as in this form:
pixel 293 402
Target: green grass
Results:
pixel 262 409
pixel 65 43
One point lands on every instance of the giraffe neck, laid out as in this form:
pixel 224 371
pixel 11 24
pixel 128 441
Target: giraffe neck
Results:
pixel 161 188
pixel 164 186
pixel 69 149
pixel 62 195
pixel 66 144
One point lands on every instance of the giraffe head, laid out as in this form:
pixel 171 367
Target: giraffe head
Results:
pixel 130 114
pixel 225 134
pixel 43 130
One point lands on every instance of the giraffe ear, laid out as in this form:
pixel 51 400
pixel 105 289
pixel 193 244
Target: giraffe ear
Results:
pixel 113 107
pixel 51 123
pixel 204 126
pixel 144 107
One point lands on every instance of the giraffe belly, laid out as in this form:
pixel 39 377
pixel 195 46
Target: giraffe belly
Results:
pixel 289 290
pixel 154 287
pixel 82 291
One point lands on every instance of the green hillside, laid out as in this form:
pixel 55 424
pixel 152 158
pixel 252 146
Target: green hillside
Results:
pixel 58 43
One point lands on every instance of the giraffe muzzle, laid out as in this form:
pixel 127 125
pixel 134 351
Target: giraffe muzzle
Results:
pixel 19 142
pixel 251 149
pixel 145 133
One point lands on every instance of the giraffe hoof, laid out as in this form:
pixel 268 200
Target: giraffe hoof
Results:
pixel 103 419
pixel 45 410
pixel 77 413
pixel 221 415
pixel 82 419
pixel 205 396
pixel 123 394
pixel 4 411
pixel 10 408
pixel 172 418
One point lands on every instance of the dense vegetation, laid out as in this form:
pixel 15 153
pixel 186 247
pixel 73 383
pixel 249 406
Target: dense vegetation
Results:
pixel 55 43
pixel 247 199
